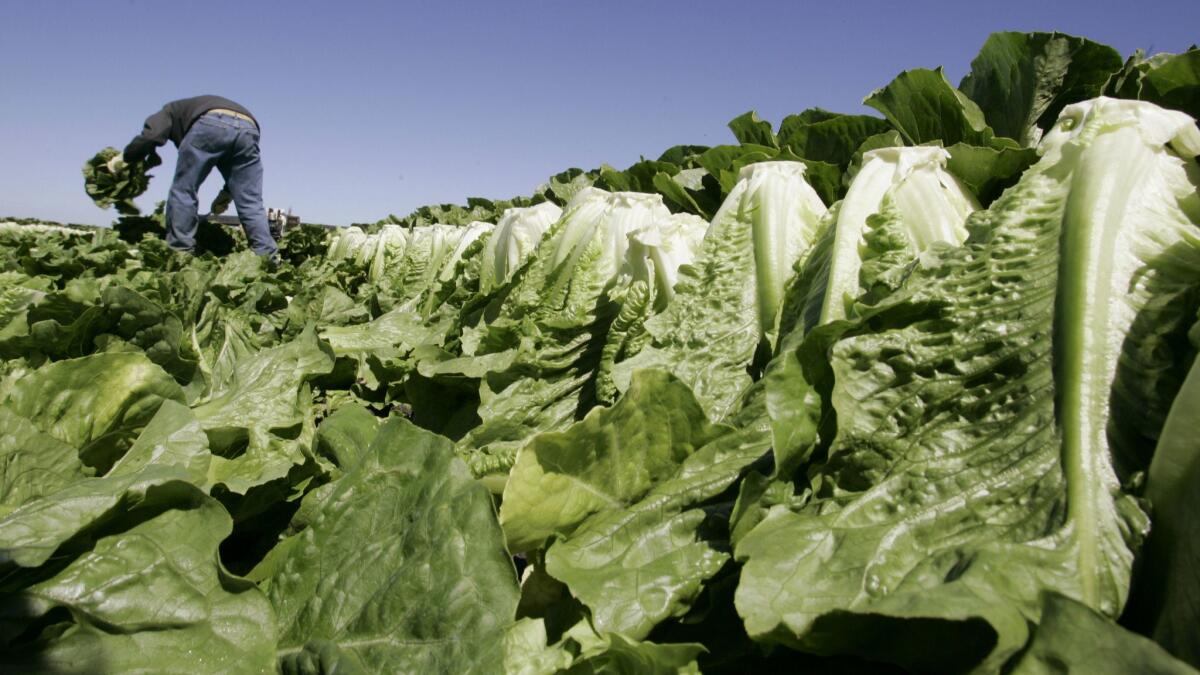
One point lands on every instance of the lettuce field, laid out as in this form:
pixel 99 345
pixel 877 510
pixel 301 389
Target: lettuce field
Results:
pixel 909 391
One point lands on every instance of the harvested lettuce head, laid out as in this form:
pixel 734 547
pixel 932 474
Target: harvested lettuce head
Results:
pixel 115 189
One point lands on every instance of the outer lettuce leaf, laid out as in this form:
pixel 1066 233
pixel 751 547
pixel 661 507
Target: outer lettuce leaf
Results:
pixel 925 108
pixel 346 435
pixel 325 306
pixel 636 565
pixel 582 651
pixel 972 466
pixel 823 136
pixel 173 437
pixel 31 535
pixel 96 403
pixel 145 595
pixel 615 653
pixel 32 462
pixel 612 458
pixel 988 171
pixel 1075 639
pixel 1022 81
pixel 1166 603
pixel 527 651
pixel 172 448
pixel 264 392
pixel 750 130
pixel 141 323
pixel 1174 83
pixel 402 567
pixel 1169 80
pixel 379 348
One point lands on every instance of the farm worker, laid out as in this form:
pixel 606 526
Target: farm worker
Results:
pixel 210 131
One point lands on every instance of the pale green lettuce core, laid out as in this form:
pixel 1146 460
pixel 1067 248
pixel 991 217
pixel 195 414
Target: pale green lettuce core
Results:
pixel 392 240
pixel 928 204
pixel 516 236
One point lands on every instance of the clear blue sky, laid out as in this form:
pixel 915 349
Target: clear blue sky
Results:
pixel 370 108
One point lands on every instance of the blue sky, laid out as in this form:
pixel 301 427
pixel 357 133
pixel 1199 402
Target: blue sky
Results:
pixel 370 108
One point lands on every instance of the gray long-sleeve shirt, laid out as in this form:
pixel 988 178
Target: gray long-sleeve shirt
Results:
pixel 172 124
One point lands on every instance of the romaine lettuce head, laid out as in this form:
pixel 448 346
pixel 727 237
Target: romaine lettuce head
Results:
pixel 346 243
pixel 462 237
pixel 594 235
pixel 782 211
pixel 987 416
pixel 902 200
pixel 517 234
pixel 727 302
pixel 670 243
pixel 389 245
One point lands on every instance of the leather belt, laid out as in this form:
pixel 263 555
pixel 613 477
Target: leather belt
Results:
pixel 233 113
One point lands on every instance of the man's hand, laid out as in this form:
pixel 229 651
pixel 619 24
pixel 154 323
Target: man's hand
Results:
pixel 221 203
pixel 116 164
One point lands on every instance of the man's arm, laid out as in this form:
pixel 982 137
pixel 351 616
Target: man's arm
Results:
pixel 155 133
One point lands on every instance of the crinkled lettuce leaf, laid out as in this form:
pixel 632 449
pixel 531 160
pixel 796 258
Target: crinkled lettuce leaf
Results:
pixel 401 567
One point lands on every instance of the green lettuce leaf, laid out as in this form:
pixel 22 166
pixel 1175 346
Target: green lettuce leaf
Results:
pixel 263 392
pixel 612 458
pixel 527 651
pixel 345 435
pixel 172 448
pixel 1166 601
pixel 1169 80
pixel 924 107
pixel 97 404
pixel 822 136
pixel 32 462
pixel 637 565
pixel 402 567
pixel 750 130
pixel 1075 639
pixel 1022 81
pixel 143 596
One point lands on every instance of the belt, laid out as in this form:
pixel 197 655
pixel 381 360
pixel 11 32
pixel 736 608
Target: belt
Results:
pixel 233 113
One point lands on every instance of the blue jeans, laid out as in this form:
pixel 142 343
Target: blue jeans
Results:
pixel 231 145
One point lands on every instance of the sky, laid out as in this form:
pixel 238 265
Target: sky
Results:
pixel 372 108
